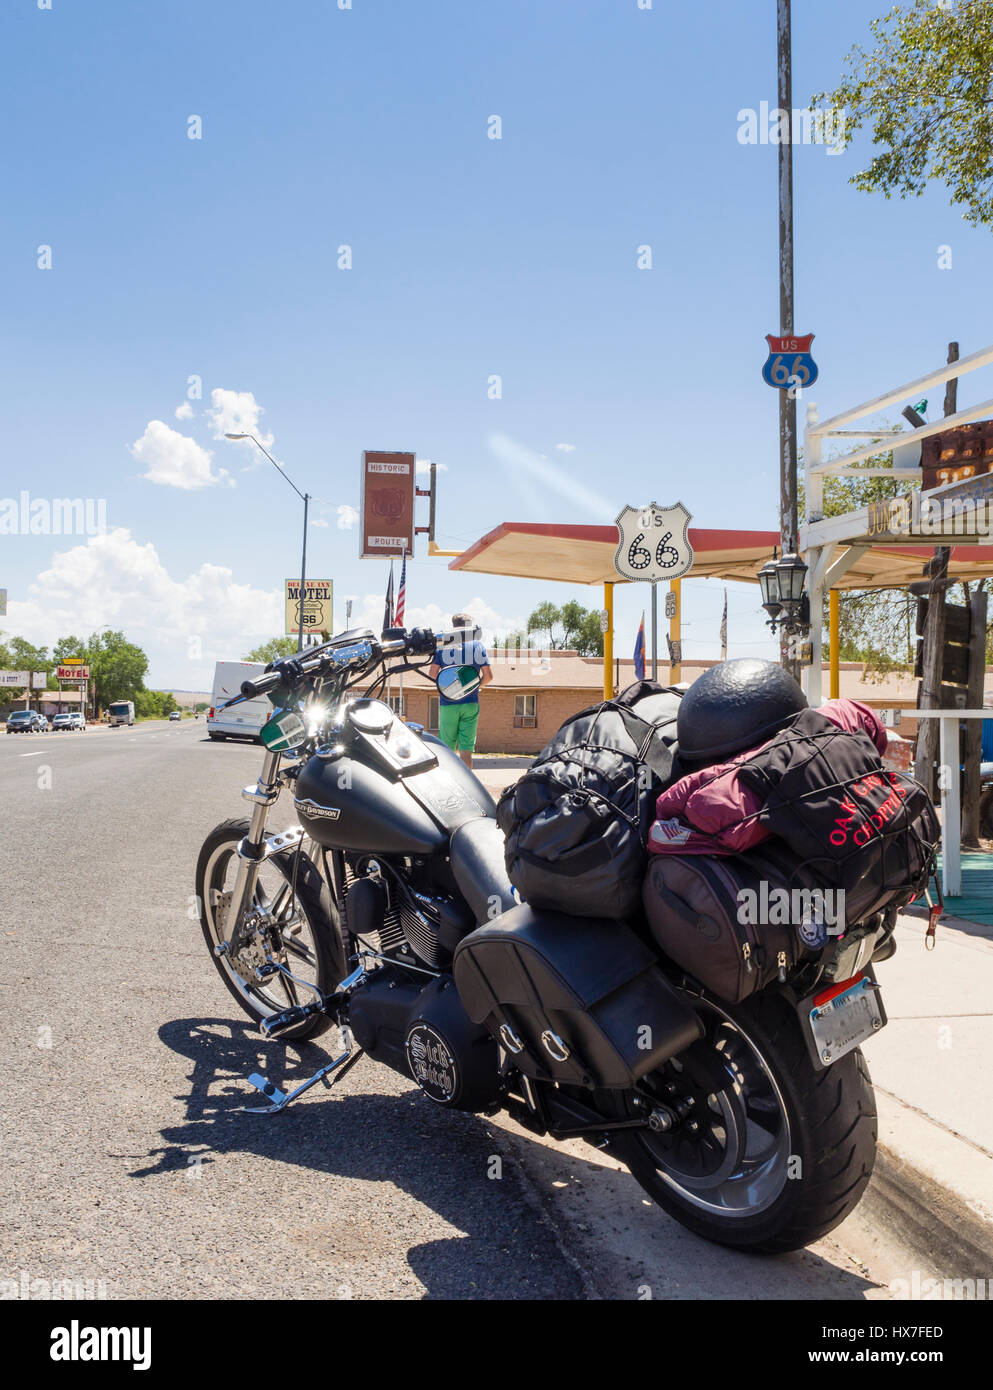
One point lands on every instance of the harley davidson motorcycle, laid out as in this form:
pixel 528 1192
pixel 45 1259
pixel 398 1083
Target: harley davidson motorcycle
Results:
pixel 386 912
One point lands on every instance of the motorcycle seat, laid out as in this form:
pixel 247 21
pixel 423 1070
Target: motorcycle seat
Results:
pixel 477 860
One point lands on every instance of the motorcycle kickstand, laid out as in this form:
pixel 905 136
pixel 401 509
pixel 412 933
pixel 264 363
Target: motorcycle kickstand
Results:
pixel 280 1100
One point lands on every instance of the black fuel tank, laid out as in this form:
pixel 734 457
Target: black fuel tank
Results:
pixel 360 799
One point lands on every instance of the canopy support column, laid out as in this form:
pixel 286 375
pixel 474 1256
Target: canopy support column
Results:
pixel 608 642
pixel 833 628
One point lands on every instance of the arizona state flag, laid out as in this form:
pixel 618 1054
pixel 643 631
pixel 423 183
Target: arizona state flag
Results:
pixel 639 651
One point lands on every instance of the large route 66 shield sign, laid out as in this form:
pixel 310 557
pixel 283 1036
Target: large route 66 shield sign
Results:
pixel 653 543
pixel 789 362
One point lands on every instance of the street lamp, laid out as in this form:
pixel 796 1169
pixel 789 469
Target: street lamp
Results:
pixel 781 584
pixel 306 502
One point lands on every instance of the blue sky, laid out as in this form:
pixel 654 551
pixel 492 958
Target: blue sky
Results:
pixel 218 258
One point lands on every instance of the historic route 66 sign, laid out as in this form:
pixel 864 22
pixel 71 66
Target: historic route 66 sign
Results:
pixel 653 543
pixel 789 362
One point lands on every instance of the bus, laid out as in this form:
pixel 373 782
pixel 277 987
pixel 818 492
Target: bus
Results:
pixel 244 720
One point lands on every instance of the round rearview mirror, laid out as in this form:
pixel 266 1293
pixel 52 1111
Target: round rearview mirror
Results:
pixel 457 682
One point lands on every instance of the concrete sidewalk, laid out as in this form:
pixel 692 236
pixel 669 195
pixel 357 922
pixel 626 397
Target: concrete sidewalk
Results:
pixel 931 1068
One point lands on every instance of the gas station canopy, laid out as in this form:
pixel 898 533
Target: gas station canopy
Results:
pixel 585 555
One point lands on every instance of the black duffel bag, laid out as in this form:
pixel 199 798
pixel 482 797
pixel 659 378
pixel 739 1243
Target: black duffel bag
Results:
pixel 734 923
pixel 860 829
pixel 576 823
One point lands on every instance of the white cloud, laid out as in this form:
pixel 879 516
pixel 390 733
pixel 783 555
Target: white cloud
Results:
pixel 316 521
pixel 185 625
pixel 347 518
pixel 237 412
pixel 566 448
pixel 175 460
pixel 424 466
pixel 184 411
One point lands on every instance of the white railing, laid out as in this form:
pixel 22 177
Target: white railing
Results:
pixel 827 544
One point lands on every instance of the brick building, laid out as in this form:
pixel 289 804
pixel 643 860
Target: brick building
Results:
pixel 530 696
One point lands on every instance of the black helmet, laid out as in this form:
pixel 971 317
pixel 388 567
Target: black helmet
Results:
pixel 733 706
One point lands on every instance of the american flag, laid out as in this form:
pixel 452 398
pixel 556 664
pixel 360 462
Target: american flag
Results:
pixel 402 595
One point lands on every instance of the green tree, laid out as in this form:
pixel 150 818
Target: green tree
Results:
pixel 117 667
pixel 272 650
pixel 925 90
pixel 543 622
pixel 589 637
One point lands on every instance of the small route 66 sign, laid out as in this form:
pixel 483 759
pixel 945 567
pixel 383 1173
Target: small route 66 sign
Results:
pixel 789 362
pixel 653 543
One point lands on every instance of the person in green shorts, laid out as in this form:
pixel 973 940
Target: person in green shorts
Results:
pixel 457 719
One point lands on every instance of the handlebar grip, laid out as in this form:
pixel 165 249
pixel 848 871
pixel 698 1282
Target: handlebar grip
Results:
pixel 261 685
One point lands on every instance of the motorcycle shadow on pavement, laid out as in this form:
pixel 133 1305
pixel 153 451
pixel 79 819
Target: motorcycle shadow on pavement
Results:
pixel 442 1159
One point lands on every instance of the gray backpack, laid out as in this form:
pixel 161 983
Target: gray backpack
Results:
pixel 576 823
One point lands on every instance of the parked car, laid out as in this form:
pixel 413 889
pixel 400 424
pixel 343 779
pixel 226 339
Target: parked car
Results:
pixel 71 721
pixel 27 721
pixel 175 714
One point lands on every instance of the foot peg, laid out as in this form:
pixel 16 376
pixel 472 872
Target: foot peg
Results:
pixel 280 1099
pixel 277 1024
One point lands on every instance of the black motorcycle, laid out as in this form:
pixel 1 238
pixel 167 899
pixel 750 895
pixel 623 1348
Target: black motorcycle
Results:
pixel 387 912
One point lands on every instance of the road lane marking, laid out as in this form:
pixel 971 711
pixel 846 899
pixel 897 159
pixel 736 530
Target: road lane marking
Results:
pixel 32 755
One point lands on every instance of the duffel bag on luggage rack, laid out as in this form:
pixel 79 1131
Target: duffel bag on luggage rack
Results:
pixel 576 822
pixel 729 921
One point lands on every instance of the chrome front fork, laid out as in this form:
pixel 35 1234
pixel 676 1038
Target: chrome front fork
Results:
pixel 250 852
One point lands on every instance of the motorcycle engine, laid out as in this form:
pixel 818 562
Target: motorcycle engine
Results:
pixel 424 1032
pixel 405 915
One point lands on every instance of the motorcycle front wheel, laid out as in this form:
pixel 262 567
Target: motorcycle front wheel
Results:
pixel 770 1153
pixel 303 936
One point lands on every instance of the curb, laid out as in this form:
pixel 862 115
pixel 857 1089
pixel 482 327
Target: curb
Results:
pixel 932 1191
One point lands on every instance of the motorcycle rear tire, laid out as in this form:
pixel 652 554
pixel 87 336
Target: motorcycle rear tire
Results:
pixel 831 1115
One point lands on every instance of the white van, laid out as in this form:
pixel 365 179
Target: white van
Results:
pixel 245 719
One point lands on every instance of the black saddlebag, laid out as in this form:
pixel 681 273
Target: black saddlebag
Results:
pixel 575 1000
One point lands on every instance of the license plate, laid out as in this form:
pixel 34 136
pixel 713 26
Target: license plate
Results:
pixel 839 1024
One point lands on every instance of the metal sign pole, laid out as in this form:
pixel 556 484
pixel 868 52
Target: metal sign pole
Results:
pixel 655 632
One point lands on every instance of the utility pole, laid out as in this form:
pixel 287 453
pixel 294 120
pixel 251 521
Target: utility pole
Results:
pixel 932 656
pixel 788 519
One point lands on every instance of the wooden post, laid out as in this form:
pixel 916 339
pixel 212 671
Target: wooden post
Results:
pixel 934 634
pixel 973 749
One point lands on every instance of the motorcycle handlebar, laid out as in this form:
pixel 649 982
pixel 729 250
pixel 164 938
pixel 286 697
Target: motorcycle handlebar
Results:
pixel 290 670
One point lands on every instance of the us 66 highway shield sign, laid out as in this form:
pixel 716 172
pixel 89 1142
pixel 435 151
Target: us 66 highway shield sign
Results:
pixel 789 362
pixel 653 543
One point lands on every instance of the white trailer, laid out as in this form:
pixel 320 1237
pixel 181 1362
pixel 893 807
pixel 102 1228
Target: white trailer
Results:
pixel 244 720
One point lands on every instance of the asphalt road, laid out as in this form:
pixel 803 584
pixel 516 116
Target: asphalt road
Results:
pixel 126 1156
